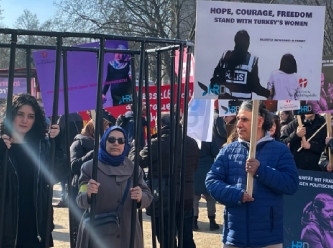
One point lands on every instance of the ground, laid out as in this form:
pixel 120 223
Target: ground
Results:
pixel 203 238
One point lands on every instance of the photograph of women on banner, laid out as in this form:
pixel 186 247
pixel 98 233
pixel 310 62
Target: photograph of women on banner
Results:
pixel 325 103
pixel 82 77
pixel 258 51
pixel 308 221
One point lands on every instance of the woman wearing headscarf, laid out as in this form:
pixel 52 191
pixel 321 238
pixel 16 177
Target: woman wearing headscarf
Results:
pixel 114 172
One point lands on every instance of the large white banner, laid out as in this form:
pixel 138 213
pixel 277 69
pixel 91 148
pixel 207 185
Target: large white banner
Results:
pixel 285 45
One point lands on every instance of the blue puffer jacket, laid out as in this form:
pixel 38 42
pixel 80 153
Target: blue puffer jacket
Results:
pixel 258 223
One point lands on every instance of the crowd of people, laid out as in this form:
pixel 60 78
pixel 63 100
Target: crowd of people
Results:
pixel 216 171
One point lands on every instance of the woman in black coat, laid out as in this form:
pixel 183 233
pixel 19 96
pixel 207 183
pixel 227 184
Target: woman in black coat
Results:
pixel 28 178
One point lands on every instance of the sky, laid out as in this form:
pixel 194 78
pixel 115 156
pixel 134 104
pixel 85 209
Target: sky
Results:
pixel 12 9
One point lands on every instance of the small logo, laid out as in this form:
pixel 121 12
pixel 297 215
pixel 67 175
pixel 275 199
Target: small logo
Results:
pixel 302 82
pixel 214 89
pixel 44 54
pixel 231 109
pixel 298 244
pixel 125 99
pixel 305 109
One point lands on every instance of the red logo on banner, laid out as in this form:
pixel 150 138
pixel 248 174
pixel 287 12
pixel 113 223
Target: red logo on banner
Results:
pixel 303 82
pixel 44 54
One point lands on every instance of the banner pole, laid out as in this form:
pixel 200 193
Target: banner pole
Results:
pixel 253 143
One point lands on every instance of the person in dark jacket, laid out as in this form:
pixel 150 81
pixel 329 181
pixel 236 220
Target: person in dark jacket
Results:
pixel 253 220
pixel 236 74
pixel 81 151
pixel 127 121
pixel 27 204
pixel 208 152
pixel 306 151
pixel 62 169
pixel 191 153
pixel 285 118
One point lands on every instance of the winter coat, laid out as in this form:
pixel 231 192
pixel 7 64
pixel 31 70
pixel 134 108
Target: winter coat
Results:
pixel 258 223
pixel 81 150
pixel 208 152
pixel 306 159
pixel 113 181
pixel 42 184
pixel 191 164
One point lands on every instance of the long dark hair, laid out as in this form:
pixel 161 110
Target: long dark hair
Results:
pixel 288 64
pixel 38 129
pixel 276 120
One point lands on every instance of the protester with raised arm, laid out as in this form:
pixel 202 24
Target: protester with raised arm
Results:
pixel 307 150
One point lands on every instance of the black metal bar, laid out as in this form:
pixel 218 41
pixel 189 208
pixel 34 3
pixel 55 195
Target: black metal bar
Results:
pixel 97 128
pixel 71 215
pixel 182 179
pixel 91 36
pixel 150 174
pixel 159 150
pixel 70 48
pixel 163 49
pixel 49 223
pixel 7 125
pixel 174 170
pixel 28 67
pixel 138 127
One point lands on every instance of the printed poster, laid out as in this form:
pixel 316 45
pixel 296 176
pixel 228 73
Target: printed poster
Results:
pixel 82 77
pixel 286 105
pixel 325 103
pixel 247 51
pixel 19 86
pixel 308 218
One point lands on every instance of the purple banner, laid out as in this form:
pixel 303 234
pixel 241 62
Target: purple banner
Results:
pixel 82 77
pixel 325 103
pixel 308 219
pixel 20 86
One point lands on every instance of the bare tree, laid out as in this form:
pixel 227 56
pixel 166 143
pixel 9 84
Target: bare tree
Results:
pixel 146 18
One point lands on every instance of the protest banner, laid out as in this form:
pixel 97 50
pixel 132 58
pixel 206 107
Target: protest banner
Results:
pixel 82 77
pixel 308 213
pixel 325 103
pixel 269 33
pixel 19 86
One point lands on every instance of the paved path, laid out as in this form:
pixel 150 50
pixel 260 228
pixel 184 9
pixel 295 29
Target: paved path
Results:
pixel 204 238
